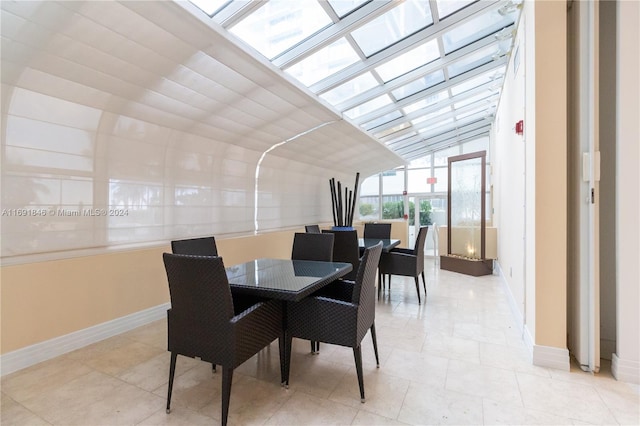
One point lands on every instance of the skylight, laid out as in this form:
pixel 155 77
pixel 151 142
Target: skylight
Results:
pixel 403 71
pixel 396 24
pixel 279 24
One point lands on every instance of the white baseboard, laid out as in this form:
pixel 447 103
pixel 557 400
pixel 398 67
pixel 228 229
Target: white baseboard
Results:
pixel 31 355
pixel 625 370
pixel 515 311
pixel 548 356
pixel 542 356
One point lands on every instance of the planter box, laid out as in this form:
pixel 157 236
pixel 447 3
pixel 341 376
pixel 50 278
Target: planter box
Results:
pixel 472 267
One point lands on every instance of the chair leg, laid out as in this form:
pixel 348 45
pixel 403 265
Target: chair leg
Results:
pixel 375 343
pixel 282 348
pixel 287 366
pixel 389 282
pixel 313 347
pixel 357 354
pixel 418 289
pixel 424 284
pixel 227 377
pixel 172 372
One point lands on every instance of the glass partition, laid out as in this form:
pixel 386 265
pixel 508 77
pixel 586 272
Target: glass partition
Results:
pixel 466 197
pixel 466 216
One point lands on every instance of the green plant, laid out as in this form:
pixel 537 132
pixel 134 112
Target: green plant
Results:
pixel 393 210
pixel 366 209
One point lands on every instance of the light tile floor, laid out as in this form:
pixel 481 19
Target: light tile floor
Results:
pixel 458 359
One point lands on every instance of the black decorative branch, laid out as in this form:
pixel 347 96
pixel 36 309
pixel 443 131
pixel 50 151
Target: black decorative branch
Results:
pixel 343 212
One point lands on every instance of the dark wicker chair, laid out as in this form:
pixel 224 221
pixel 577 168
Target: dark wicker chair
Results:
pixel 205 246
pixel 346 249
pixel 405 262
pixel 312 229
pixel 340 313
pixel 377 230
pixel 203 321
pixel 311 246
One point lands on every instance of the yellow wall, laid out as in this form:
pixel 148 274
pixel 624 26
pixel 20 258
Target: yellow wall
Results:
pixel 44 300
pixel 550 174
pixel 41 301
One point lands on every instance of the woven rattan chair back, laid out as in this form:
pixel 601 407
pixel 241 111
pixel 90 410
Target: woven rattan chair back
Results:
pixel 418 248
pixel 377 230
pixel 364 290
pixel 312 229
pixel 205 246
pixel 345 249
pixel 201 306
pixel 309 246
pixel 201 321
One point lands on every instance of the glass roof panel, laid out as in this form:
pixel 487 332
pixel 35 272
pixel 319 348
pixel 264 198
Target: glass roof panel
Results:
pixel 472 61
pixel 437 127
pixel 381 120
pixel 343 7
pixel 331 59
pixel 400 138
pixel 421 55
pixel 279 24
pixel 418 85
pixel 481 110
pixel 399 22
pixel 350 89
pixel 429 100
pixel 483 78
pixel 447 7
pixel 483 95
pixel 393 129
pixel 299 37
pixel 367 107
pixel 475 29
pixel 431 115
pixel 210 6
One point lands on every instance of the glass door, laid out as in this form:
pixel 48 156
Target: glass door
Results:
pixel 427 211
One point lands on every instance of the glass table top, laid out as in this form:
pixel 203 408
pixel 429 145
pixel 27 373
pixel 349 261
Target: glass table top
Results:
pixel 283 278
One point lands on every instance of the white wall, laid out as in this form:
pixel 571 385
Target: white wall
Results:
pixel 530 182
pixel 607 140
pixel 508 165
pixel 626 360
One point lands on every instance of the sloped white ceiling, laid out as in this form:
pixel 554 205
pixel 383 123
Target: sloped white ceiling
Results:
pixel 154 61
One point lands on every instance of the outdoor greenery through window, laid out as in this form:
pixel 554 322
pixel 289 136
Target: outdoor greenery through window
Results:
pixel 382 195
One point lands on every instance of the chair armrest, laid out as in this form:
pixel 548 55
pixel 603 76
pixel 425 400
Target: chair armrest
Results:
pixel 339 289
pixel 402 250
pixel 258 315
pixel 397 263
pixel 323 309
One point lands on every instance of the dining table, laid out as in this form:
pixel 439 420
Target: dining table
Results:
pixel 286 280
pixel 387 244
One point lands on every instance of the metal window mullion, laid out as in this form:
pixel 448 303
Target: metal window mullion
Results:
pixel 465 128
pixel 423 70
pixel 333 32
pixel 432 108
pixel 236 11
pixel 426 147
pixel 400 47
pixel 431 148
pixel 426 92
